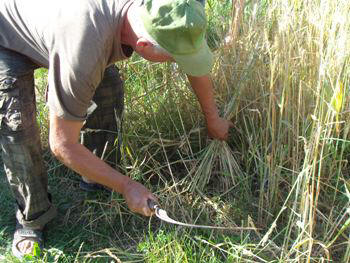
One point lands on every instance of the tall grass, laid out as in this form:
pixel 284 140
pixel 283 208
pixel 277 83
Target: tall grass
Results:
pixel 294 116
pixel 284 77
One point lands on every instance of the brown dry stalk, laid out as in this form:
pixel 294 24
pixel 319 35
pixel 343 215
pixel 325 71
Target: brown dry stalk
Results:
pixel 237 13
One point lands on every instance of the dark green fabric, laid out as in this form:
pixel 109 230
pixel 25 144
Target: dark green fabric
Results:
pixel 179 27
pixel 102 131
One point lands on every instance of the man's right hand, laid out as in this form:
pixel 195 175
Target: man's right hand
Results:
pixel 64 143
pixel 218 128
pixel 137 196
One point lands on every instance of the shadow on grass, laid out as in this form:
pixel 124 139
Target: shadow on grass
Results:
pixel 86 222
pixel 98 227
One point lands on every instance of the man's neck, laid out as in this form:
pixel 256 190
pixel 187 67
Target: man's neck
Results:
pixel 128 36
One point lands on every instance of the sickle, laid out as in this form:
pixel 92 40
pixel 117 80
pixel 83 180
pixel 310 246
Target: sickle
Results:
pixel 163 215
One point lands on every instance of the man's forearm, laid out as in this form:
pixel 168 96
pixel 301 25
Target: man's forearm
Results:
pixel 64 135
pixel 203 88
pixel 81 160
pixel 64 143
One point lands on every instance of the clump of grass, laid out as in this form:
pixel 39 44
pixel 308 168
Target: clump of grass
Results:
pixel 218 160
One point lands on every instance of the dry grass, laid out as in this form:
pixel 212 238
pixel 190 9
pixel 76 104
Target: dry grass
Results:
pixel 283 80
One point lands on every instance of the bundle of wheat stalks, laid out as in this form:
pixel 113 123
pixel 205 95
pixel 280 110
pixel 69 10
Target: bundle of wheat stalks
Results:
pixel 217 161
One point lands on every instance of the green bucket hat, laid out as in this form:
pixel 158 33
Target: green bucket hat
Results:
pixel 179 27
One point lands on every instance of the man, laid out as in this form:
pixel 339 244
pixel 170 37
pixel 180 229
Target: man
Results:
pixel 79 41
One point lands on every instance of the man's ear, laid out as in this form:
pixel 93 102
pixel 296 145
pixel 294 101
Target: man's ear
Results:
pixel 143 44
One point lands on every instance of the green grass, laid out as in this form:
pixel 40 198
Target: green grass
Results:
pixel 284 82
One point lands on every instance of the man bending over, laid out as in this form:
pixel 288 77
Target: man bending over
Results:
pixel 79 41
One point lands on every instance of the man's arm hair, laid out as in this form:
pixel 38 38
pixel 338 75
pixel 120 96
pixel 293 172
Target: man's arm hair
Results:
pixel 203 88
pixel 64 143
pixel 218 128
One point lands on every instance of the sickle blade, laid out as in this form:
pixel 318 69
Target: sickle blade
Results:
pixel 163 215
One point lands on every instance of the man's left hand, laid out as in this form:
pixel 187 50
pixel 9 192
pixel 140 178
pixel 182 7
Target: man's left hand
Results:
pixel 218 128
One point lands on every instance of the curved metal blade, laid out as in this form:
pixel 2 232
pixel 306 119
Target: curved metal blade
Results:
pixel 163 215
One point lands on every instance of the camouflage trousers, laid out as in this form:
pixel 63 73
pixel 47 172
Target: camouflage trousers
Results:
pixel 20 136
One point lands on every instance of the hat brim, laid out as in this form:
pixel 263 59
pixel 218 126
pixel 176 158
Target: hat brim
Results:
pixel 198 64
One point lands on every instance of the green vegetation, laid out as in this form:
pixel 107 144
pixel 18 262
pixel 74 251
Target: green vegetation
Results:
pixel 283 80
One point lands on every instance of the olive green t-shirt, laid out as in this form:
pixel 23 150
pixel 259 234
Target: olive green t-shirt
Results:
pixel 75 39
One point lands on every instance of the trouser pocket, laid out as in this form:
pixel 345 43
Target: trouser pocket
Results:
pixel 17 103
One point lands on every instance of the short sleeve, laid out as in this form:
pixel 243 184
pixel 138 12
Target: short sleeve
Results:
pixel 77 62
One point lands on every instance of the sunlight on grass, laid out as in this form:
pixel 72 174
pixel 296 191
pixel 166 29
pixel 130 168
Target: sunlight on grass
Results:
pixel 282 78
